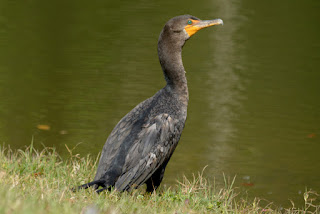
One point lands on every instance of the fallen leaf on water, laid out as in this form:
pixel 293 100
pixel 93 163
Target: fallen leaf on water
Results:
pixel 43 127
pixel 312 135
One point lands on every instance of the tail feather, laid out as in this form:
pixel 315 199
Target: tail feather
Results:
pixel 96 183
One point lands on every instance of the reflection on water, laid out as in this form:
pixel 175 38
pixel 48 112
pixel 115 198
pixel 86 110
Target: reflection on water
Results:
pixel 254 107
pixel 227 90
pixel 224 83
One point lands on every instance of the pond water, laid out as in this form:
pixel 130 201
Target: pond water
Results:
pixel 77 68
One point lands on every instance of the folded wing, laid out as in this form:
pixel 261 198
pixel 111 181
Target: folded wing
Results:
pixel 154 145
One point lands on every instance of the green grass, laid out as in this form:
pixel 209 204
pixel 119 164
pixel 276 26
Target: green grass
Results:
pixel 33 181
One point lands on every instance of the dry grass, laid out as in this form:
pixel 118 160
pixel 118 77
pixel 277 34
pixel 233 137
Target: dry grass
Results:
pixel 39 182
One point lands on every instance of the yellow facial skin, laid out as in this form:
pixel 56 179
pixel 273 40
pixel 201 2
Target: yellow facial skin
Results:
pixel 197 25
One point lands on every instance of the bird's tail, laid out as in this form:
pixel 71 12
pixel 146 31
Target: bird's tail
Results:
pixel 96 185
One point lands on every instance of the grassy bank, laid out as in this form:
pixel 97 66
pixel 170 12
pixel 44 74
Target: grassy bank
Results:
pixel 34 181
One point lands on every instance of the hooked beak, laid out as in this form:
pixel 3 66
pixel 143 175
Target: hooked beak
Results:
pixel 199 24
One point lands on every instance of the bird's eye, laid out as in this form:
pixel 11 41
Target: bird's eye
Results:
pixel 189 22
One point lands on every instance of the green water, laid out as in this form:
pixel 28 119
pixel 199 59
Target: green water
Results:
pixel 79 67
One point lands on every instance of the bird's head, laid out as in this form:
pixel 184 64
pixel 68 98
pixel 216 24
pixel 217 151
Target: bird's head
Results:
pixel 183 27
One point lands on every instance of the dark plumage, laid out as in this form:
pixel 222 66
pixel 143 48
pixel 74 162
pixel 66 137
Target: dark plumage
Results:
pixel 141 144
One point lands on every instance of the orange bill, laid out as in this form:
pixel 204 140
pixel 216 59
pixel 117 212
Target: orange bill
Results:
pixel 199 24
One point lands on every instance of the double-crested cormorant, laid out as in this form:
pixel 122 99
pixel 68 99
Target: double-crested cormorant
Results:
pixel 141 144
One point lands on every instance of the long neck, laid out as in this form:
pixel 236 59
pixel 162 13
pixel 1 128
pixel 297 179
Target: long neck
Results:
pixel 169 52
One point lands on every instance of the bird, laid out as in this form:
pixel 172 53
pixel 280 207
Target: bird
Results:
pixel 140 146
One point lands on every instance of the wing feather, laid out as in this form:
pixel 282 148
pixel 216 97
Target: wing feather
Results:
pixel 116 140
pixel 153 146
